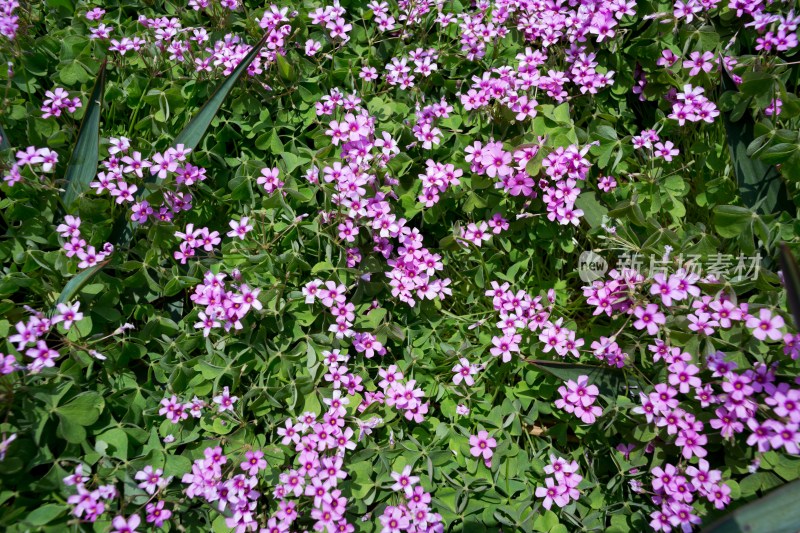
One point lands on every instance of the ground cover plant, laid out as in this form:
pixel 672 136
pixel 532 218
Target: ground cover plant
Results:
pixel 518 265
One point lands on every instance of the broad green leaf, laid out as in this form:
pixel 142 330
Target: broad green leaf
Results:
pixel 45 514
pixel 216 425
pixel 777 512
pixel 117 443
pixel 82 166
pixel 760 185
pixel 593 210
pixel 731 220
pixel 84 409
pixel 286 71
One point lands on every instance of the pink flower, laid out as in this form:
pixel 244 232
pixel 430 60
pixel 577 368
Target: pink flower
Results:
pixel 765 325
pixel 482 445
pixel 503 346
pixel 552 493
pixel 464 371
pixel 269 180
pixel 578 397
pixel 666 150
pixel 156 514
pixel 312 47
pixel 151 480
pixel 254 462
pixel 239 228
pixel 225 400
pixel 121 525
pixel 648 318
pixel 404 481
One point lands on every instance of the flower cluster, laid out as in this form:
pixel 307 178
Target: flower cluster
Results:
pixel 124 165
pixel 399 72
pixel 691 105
pixel 88 504
pixel 338 374
pixel 562 485
pixel 405 396
pixel 321 446
pixel 414 266
pixel 175 411
pixel 675 488
pixel 210 480
pixel 578 397
pixel 332 19
pixel 193 239
pixel 545 60
pixel 518 313
pixel 779 31
pixel 56 101
pixel 478 233
pixel 35 159
pixel 223 308
pixel 9 21
pixel 334 297
pixel 383 17
pixel 414 514
pixel 33 334
pixel 76 245
pixel 606 349
pixel 424 130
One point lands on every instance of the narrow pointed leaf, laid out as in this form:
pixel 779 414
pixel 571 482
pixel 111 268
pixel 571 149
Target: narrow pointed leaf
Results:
pixel 191 135
pixel 196 128
pixel 4 144
pixel 611 381
pixel 77 282
pixel 82 166
pixel 791 280
pixel 777 512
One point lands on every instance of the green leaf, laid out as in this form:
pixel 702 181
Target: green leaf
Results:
pixel 82 167
pixel 593 210
pixel 611 381
pixel 731 220
pixel 84 409
pixel 216 425
pixel 196 128
pixel 79 280
pixel 791 279
pixel 116 441
pixel 757 83
pixel 286 71
pixel 4 144
pixel 546 521
pixel 777 512
pixel 760 184
pixel 45 514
